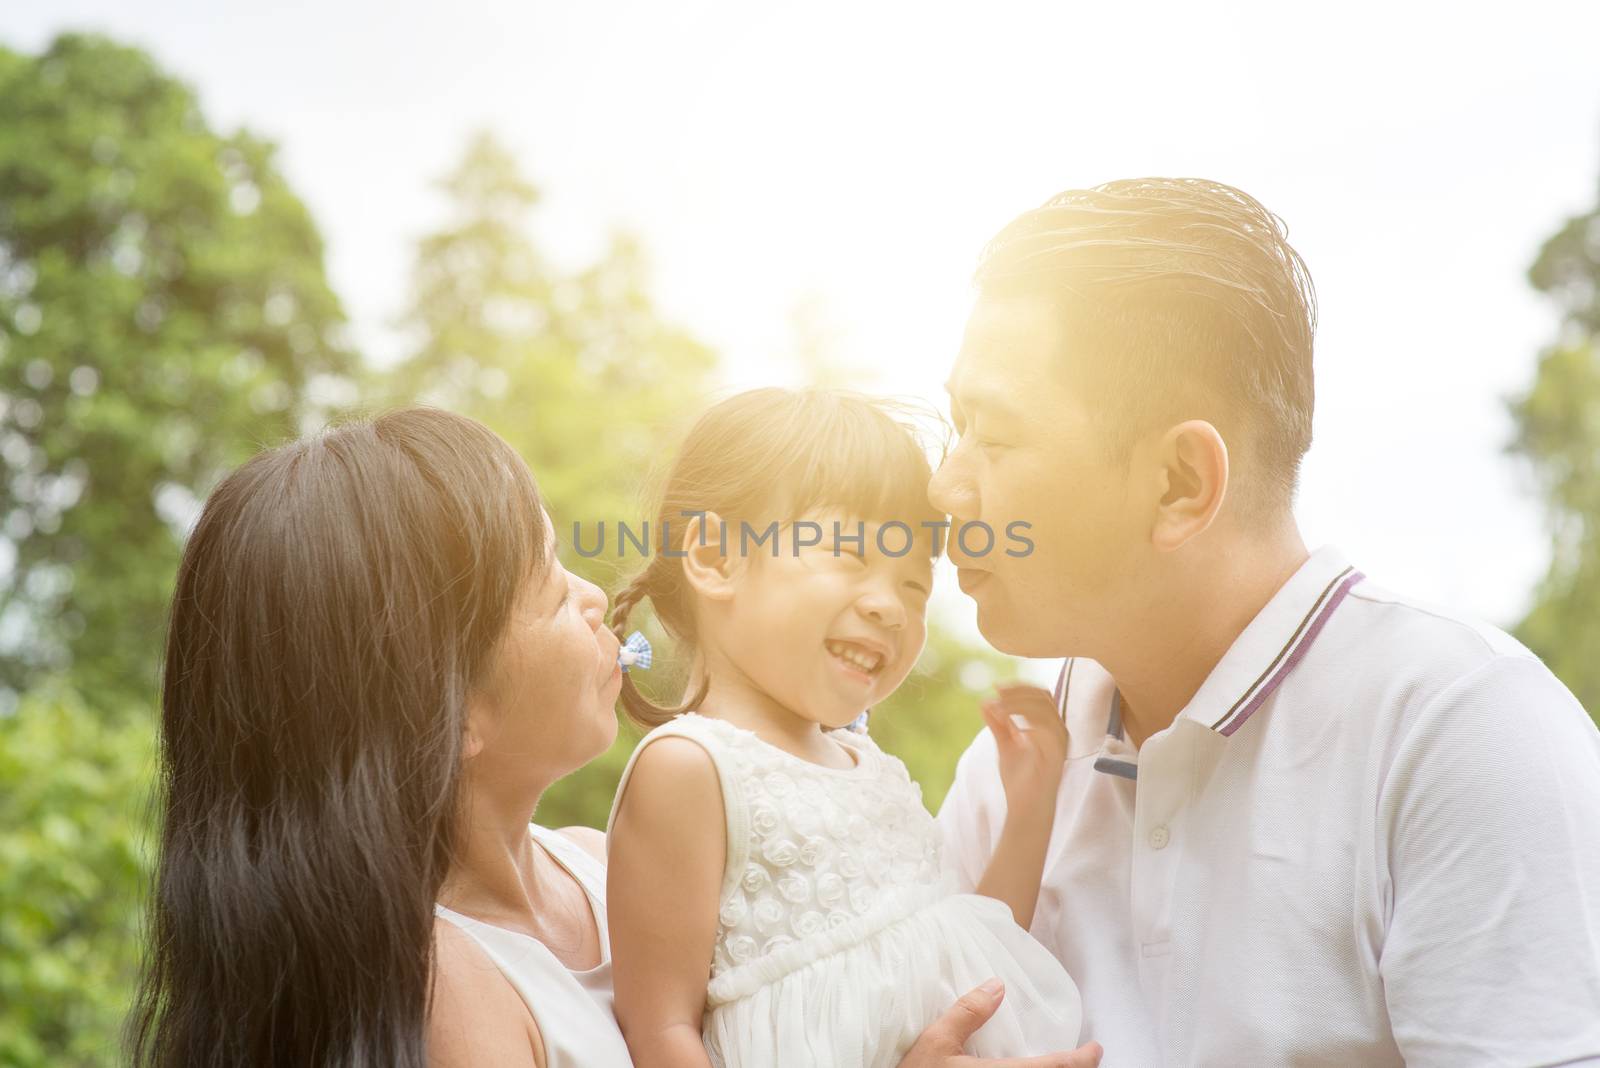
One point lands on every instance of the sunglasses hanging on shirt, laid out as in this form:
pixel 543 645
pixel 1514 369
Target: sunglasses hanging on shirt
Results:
pixel 1111 765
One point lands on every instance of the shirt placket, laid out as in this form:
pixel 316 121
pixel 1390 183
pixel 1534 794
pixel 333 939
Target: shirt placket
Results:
pixel 1159 807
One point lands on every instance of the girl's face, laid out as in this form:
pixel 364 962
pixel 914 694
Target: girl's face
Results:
pixel 831 630
pixel 546 704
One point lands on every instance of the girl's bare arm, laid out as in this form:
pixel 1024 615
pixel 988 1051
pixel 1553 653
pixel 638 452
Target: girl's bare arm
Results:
pixel 667 848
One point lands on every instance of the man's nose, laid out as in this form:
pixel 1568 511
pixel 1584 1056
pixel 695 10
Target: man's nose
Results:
pixel 951 490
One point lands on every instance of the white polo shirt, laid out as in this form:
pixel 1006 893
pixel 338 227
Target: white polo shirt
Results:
pixel 1372 838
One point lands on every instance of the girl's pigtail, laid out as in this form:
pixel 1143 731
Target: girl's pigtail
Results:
pixel 638 707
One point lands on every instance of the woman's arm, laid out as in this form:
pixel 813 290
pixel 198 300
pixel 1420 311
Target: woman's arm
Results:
pixel 667 851
pixel 1031 755
pixel 476 1016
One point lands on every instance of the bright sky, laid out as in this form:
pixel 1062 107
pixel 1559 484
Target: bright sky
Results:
pixel 853 158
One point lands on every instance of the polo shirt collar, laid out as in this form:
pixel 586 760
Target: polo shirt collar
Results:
pixel 1092 710
pixel 1274 642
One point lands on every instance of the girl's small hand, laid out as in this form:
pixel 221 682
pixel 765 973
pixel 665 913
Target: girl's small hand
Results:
pixel 1031 747
pixel 1032 743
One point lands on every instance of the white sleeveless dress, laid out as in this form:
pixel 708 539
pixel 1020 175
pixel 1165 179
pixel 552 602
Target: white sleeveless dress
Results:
pixel 840 936
pixel 572 1008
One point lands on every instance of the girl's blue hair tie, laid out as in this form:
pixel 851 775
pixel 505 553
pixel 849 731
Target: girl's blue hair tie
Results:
pixel 635 652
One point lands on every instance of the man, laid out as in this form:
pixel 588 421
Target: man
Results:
pixel 1303 819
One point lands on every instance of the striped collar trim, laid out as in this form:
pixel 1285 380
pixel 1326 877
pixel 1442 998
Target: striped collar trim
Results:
pixel 1273 644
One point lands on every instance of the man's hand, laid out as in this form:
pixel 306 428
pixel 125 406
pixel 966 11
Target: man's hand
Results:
pixel 941 1045
pixel 1031 744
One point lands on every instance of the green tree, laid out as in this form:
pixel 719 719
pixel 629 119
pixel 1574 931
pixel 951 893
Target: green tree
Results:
pixel 163 313
pixel 576 369
pixel 73 870
pixel 1558 432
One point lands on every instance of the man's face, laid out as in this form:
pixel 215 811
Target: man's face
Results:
pixel 1030 452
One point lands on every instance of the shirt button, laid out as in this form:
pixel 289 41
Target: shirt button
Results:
pixel 1159 837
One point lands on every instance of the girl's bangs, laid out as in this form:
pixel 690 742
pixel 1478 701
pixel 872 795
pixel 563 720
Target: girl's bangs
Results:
pixel 872 467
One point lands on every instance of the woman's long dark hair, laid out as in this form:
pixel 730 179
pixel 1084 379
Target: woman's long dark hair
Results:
pixel 335 603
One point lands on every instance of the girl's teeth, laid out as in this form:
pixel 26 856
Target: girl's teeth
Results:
pixel 866 663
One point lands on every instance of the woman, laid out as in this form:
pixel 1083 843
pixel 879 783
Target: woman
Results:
pixel 375 666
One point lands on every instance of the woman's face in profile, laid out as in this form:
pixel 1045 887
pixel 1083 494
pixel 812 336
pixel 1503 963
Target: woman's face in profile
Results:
pixel 547 702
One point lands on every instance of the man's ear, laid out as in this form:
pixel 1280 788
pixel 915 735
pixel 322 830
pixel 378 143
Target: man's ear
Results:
pixel 1192 475
pixel 708 563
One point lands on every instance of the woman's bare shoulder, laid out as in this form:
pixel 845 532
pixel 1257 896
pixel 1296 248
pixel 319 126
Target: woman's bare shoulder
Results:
pixel 476 1016
pixel 591 841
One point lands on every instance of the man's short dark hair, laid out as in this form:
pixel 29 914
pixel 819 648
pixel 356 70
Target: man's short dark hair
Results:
pixel 1184 299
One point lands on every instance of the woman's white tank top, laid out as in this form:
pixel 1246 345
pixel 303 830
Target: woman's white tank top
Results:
pixel 572 1008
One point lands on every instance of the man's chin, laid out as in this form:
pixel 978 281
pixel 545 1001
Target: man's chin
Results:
pixel 1000 628
pixel 1008 633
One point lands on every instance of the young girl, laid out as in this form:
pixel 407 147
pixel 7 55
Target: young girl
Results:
pixel 775 885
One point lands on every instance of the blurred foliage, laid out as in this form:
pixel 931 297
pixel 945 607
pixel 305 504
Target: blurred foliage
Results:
pixel 577 370
pixel 1558 432
pixel 163 312
pixel 73 866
